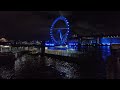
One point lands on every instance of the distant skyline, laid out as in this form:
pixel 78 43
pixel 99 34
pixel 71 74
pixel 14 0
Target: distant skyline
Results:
pixel 35 25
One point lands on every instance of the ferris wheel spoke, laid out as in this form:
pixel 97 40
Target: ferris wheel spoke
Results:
pixel 60 28
pixel 62 37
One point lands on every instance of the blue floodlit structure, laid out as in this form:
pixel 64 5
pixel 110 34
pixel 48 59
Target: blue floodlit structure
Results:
pixel 72 43
pixel 110 40
pixel 49 44
pixel 62 37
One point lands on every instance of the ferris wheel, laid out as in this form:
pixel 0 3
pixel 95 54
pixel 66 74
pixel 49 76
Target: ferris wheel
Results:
pixel 59 35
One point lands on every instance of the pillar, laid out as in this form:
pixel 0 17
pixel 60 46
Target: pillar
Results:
pixel 42 48
pixel 98 40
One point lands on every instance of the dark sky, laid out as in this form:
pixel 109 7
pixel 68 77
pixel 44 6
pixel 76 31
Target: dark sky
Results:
pixel 30 25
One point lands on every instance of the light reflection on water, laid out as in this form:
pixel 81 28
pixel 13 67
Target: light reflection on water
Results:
pixel 67 70
pixel 6 73
pixel 70 70
pixel 106 52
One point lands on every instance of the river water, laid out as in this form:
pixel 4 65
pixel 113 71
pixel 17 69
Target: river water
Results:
pixel 94 66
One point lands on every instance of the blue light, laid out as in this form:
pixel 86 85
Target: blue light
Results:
pixel 49 44
pixel 108 41
pixel 52 27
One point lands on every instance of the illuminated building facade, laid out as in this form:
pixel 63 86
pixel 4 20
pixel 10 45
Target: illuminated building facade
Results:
pixel 110 40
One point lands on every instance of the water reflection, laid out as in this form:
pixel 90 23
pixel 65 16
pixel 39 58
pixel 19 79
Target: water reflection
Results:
pixel 99 63
pixel 106 52
pixel 67 70
pixel 113 67
pixel 94 66
pixel 6 73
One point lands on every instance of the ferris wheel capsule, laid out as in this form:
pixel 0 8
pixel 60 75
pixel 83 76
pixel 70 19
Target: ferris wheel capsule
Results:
pixel 63 32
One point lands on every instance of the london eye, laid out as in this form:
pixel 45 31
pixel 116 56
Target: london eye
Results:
pixel 59 35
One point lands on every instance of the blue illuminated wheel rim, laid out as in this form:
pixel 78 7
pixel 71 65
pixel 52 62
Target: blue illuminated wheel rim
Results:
pixel 63 39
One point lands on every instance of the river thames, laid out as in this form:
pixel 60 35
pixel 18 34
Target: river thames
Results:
pixel 87 63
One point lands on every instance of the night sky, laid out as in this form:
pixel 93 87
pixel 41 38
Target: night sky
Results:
pixel 34 25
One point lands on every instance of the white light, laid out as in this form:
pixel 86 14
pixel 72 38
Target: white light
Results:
pixel 1 45
pixel 6 46
pixel 72 49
